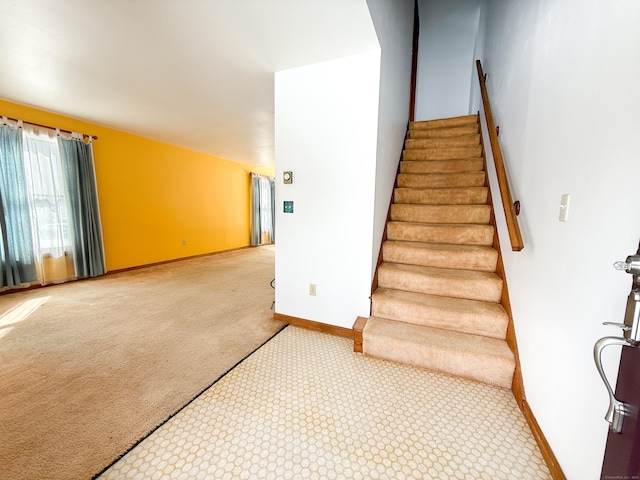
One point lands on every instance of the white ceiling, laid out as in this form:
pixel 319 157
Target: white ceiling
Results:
pixel 192 73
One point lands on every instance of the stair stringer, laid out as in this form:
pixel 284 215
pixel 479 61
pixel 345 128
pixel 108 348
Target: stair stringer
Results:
pixel 517 384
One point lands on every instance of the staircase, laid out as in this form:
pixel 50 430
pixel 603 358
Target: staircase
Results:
pixel 437 304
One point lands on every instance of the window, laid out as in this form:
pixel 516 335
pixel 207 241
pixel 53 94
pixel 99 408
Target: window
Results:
pixel 49 217
pixel 45 189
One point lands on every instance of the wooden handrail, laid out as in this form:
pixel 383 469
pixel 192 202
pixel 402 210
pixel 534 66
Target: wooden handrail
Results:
pixel 511 209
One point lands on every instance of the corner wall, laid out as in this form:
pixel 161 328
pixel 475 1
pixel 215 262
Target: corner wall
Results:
pixel 153 195
pixel 393 21
pixel 562 77
pixel 340 127
pixel 448 32
pixel 326 124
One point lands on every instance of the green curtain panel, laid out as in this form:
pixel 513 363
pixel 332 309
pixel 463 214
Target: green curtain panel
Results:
pixel 80 183
pixel 16 249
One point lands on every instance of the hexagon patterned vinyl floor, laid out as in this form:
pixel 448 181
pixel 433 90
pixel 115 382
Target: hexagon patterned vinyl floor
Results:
pixel 304 406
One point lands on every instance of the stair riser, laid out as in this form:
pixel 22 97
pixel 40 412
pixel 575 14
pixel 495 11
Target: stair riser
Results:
pixel 485 289
pixel 441 166
pixel 481 368
pixel 443 142
pixel 484 261
pixel 441 180
pixel 448 234
pixel 442 196
pixel 442 153
pixel 417 133
pixel 468 214
pixel 485 324
pixel 445 122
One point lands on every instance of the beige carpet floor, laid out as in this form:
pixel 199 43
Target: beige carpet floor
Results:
pixel 89 368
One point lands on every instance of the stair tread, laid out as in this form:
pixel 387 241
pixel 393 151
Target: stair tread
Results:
pixel 471 139
pixel 420 213
pixel 436 225
pixel 438 195
pixel 443 122
pixel 447 339
pixel 444 189
pixel 460 305
pixel 443 281
pixel 442 246
pixel 442 153
pixel 442 255
pixel 453 273
pixel 444 174
pixel 442 132
pixel 442 166
pixel 478 358
pixel 472 316
pixel 444 180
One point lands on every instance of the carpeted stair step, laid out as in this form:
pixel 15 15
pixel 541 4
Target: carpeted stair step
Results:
pixel 442 166
pixel 466 257
pixel 470 284
pixel 460 234
pixel 479 358
pixel 442 153
pixel 415 131
pixel 437 302
pixel 459 141
pixel 446 122
pixel 474 214
pixel 488 319
pixel 439 196
pixel 441 180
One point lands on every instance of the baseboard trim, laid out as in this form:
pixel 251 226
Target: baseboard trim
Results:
pixel 543 445
pixel 313 325
pixel 180 259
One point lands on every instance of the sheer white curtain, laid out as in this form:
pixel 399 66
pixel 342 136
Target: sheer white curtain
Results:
pixel 262 209
pixel 50 208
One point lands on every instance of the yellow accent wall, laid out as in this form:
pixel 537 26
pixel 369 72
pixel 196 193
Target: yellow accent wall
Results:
pixel 154 196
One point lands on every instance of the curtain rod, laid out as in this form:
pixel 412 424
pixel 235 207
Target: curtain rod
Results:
pixel 52 128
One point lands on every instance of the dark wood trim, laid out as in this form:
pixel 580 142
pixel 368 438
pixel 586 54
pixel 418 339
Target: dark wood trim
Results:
pixel 313 325
pixel 414 62
pixel 358 327
pixel 515 236
pixel 545 449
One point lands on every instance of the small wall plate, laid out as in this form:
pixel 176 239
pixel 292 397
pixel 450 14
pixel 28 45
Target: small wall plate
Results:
pixel 288 206
pixel 287 177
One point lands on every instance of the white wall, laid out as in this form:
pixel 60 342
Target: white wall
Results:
pixel 447 44
pixel 340 127
pixel 326 133
pixel 563 81
pixel 393 21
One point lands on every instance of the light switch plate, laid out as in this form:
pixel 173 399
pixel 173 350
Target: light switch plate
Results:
pixel 564 208
pixel 287 177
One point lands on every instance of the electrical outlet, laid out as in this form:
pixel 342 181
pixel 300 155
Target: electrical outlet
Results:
pixel 312 289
